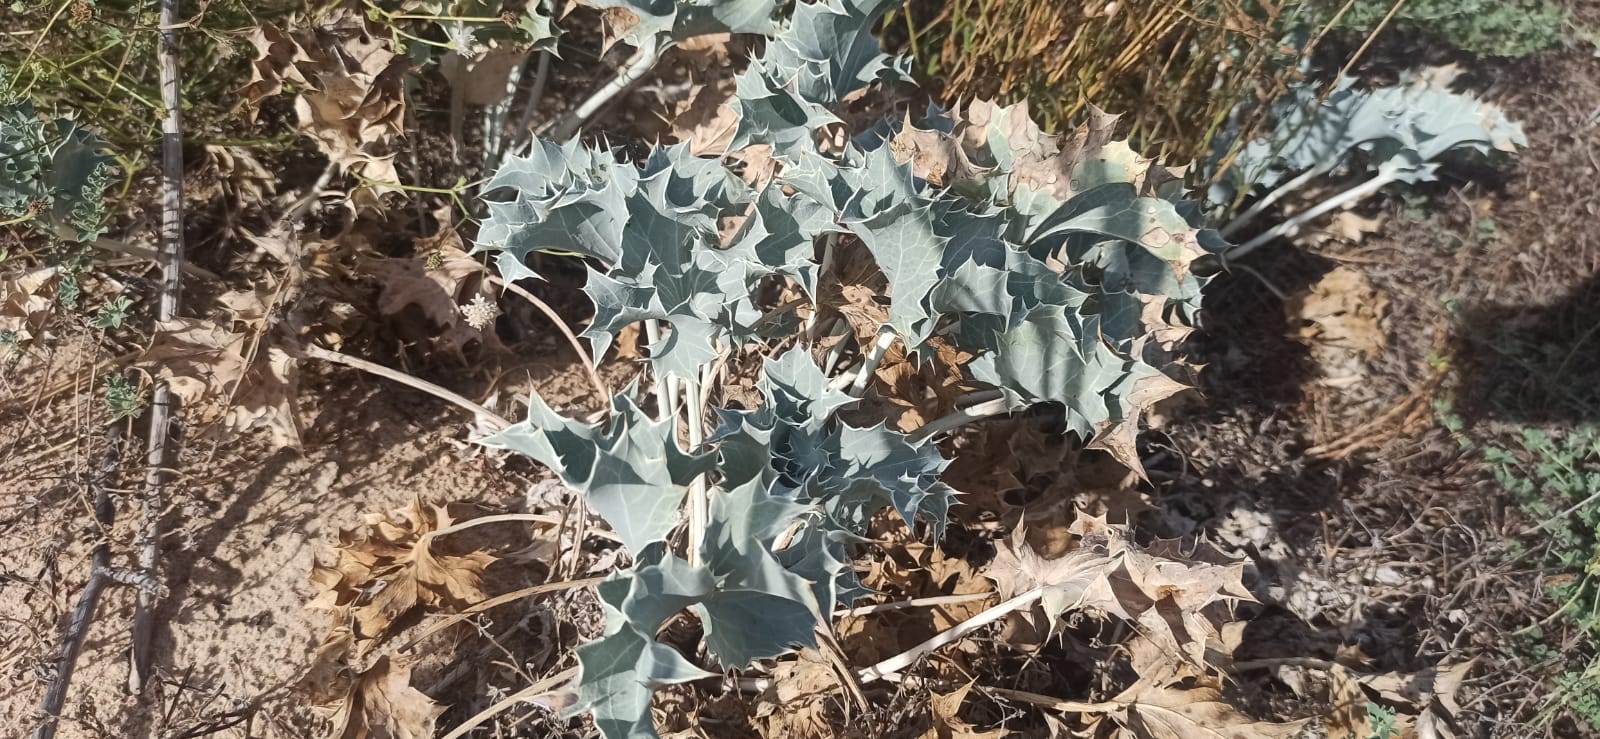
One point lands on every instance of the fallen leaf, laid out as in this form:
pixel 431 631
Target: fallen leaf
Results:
pixel 219 374
pixel 1341 314
pixel 382 704
pixel 1172 713
pixel 948 725
pixel 24 306
pixel 795 703
pixel 349 83
pixel 1162 589
pixel 434 284
pixel 387 569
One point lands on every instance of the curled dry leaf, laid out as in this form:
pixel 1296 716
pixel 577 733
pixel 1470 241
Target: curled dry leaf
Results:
pixel 431 286
pixel 1163 590
pixel 947 724
pixel 222 375
pixel 348 83
pixel 380 703
pixel 1341 318
pixel 24 303
pixel 386 569
pixel 1151 712
pixel 795 703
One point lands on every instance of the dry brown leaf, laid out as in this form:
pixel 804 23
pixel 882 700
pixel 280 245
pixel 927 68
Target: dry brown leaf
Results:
pixel 1172 713
pixel 431 287
pixel 1353 227
pixel 1347 715
pixel 948 725
pixel 795 703
pixel 1165 591
pixel 481 74
pixel 211 370
pixel 1341 319
pixel 388 569
pixel 349 81
pixel 382 704
pixel 1119 438
pixel 934 155
pixel 24 308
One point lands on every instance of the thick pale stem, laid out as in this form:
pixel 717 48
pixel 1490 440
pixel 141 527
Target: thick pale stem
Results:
pixel 491 418
pixel 962 417
pixel 641 64
pixel 524 129
pixel 666 393
pixel 699 502
pixel 1291 226
pixel 873 360
pixel 1277 194
pixel 953 634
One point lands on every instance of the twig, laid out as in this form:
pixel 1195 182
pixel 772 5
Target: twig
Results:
pixel 493 419
pixel 953 634
pixel 163 403
pixel 1289 227
pixel 55 696
pixel 499 600
pixel 899 605
pixel 537 518
pixel 642 62
pixel 872 362
pixel 532 691
pixel 561 325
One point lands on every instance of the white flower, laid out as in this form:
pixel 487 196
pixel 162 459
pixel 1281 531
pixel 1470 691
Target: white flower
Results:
pixel 480 312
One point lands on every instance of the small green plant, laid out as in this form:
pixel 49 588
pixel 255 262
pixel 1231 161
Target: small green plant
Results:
pixel 1487 27
pixel 1382 720
pixel 123 399
pixel 113 312
pixel 1555 480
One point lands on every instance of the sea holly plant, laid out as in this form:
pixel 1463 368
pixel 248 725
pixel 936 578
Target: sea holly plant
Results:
pixel 1038 270
pixel 1385 135
pixel 53 174
pixel 792 485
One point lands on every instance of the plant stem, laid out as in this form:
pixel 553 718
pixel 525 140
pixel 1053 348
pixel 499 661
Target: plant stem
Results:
pixel 1289 227
pixel 66 661
pixel 163 403
pixel 873 360
pixel 493 419
pixel 642 62
pixel 953 634
pixel 962 417
pixel 666 392
pixel 561 325
pixel 1277 194
pixel 699 503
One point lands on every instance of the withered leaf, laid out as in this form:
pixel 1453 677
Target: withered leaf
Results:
pixel 385 570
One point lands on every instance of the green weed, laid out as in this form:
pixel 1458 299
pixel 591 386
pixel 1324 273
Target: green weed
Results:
pixel 123 399
pixel 1487 27
pixel 1555 481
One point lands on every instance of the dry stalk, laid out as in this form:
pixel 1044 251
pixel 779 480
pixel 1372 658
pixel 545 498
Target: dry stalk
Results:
pixel 158 456
pixel 100 575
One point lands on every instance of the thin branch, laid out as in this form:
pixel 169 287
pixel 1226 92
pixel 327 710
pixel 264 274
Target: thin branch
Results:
pixel 642 62
pixel 493 419
pixel 499 600
pixel 66 661
pixel 962 417
pixel 535 690
pixel 1277 194
pixel 537 518
pixel 949 636
pixel 900 605
pixel 163 404
pixel 1291 226
pixel 561 325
